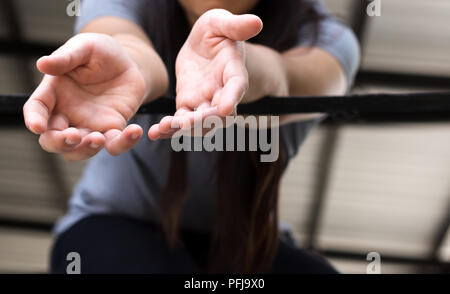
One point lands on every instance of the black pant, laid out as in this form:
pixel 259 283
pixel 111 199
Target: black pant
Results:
pixel 117 244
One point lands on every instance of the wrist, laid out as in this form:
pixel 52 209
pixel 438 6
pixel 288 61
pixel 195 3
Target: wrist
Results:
pixel 149 64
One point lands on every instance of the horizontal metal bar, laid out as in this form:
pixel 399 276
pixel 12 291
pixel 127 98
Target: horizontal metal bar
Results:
pixel 430 102
pixel 410 80
pixel 25 225
pixel 383 107
pixel 26 48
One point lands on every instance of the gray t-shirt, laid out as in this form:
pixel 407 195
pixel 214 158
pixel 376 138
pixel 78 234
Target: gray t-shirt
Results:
pixel 130 184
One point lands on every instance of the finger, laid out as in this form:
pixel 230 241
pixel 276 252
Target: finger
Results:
pixel 231 95
pixel 90 145
pixel 216 97
pixel 118 142
pixel 37 109
pixel 235 80
pixel 154 133
pixel 181 118
pixel 204 106
pixel 169 125
pixel 163 127
pixel 72 54
pixel 56 141
pixel 168 135
pixel 235 27
pixel 58 122
pixel 190 119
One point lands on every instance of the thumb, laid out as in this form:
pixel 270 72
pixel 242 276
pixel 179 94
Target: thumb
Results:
pixel 236 27
pixel 74 53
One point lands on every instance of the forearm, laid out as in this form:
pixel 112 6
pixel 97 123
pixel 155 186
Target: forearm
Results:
pixel 300 71
pixel 297 72
pixel 313 71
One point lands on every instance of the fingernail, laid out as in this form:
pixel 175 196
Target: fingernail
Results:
pixel 134 136
pixel 70 142
pixel 94 146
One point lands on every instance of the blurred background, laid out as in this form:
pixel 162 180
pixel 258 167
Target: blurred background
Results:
pixel 353 188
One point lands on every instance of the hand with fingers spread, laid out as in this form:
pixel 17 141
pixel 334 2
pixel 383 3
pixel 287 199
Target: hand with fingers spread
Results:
pixel 90 90
pixel 211 73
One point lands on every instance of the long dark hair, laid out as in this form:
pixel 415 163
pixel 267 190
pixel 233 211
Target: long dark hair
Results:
pixel 245 234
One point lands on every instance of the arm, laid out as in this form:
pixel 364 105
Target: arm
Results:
pixel 327 68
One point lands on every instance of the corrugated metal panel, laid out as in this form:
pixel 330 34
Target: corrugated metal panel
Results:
pixel 410 36
pixel 388 188
pixel 299 184
pixel 24 251
pixel 27 188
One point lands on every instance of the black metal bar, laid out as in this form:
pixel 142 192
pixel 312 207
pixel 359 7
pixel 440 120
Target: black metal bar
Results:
pixel 327 154
pixel 416 103
pixel 405 106
pixel 26 225
pixel 26 48
pixel 398 79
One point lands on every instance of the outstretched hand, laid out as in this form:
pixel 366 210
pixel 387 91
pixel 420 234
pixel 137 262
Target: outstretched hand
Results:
pixel 211 73
pixel 90 90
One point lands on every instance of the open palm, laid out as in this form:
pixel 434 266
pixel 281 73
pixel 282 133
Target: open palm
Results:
pixel 211 74
pixel 90 91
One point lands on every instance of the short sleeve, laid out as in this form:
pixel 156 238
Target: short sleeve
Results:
pixel 132 10
pixel 335 38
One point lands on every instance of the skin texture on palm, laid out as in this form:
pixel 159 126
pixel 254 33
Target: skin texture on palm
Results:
pixel 211 70
pixel 90 90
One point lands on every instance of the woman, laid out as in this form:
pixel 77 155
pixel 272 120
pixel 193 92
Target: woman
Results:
pixel 140 207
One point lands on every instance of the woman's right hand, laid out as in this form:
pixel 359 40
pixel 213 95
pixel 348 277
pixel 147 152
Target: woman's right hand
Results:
pixel 90 90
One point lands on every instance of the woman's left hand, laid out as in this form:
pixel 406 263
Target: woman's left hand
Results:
pixel 210 68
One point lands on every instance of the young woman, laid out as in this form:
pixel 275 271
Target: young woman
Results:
pixel 140 207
